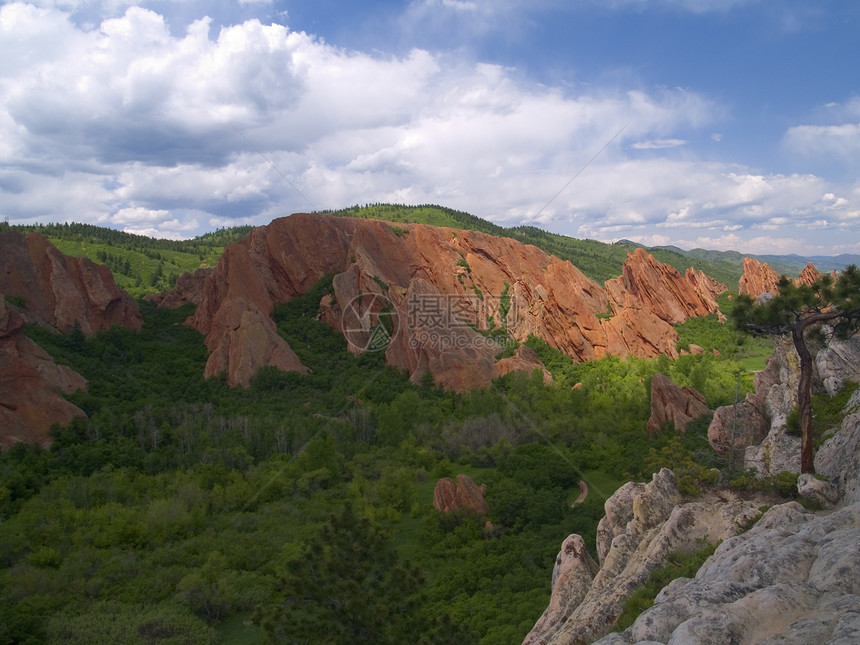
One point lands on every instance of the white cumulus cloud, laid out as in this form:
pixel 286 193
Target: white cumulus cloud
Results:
pixel 129 123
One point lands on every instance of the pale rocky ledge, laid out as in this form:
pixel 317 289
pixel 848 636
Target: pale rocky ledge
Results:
pixel 793 578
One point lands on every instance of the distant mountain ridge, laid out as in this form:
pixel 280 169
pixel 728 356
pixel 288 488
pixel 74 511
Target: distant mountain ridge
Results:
pixel 790 265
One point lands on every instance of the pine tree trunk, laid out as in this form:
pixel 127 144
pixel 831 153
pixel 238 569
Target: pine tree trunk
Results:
pixel 804 400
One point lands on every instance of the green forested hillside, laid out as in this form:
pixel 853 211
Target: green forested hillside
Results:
pixel 185 511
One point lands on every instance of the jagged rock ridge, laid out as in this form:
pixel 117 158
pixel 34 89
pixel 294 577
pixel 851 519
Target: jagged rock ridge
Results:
pixel 643 524
pixel 792 578
pixel 759 277
pixel 62 290
pixel 438 287
pixel 31 385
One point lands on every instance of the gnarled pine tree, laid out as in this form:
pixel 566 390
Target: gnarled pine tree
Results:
pixel 828 303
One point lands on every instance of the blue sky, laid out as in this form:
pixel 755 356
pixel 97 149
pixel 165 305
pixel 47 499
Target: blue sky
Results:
pixel 724 124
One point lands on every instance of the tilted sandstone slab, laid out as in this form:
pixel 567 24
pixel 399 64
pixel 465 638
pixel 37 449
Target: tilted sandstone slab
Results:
pixel 464 495
pixel 673 404
pixel 56 290
pixel 62 290
pixel 525 359
pixel 809 275
pixel 650 284
pixel 838 364
pixel 188 288
pixel 792 578
pixel 32 385
pixel 757 278
pixel 838 458
pixel 572 577
pixel 734 427
pixel 648 298
pixel 435 289
pixel 757 424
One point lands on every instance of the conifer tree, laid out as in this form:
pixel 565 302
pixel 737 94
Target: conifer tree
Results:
pixel 346 585
pixel 829 306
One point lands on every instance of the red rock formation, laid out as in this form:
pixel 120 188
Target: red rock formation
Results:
pixel 648 299
pixel 757 278
pixel 31 385
pixel 808 276
pixel 61 290
pixel 444 494
pixel 704 284
pixel 671 403
pixel 435 287
pixel 465 495
pixel 238 297
pixel 525 359
pixel 432 297
pixel 648 284
pixel 188 288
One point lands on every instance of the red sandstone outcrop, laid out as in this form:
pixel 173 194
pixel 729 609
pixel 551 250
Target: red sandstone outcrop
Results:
pixel 674 404
pixel 422 293
pixel 431 276
pixel 647 283
pixel 757 278
pixel 648 299
pixel 465 495
pixel 525 359
pixel 188 288
pixel 809 275
pixel 31 386
pixel 60 291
